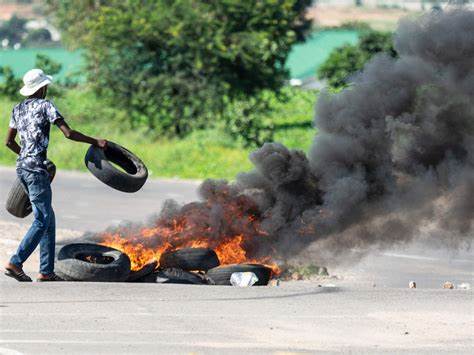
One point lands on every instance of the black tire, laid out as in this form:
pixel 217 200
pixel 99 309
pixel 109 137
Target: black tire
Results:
pixel 18 203
pixel 134 173
pixel 144 271
pixel 190 259
pixel 221 275
pixel 175 276
pixel 110 265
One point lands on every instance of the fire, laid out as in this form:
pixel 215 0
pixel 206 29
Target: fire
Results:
pixel 229 224
pixel 229 251
pixel 139 254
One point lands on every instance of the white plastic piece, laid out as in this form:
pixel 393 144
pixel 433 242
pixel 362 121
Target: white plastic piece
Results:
pixel 464 286
pixel 243 279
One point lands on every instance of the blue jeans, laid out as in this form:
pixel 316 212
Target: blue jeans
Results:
pixel 43 229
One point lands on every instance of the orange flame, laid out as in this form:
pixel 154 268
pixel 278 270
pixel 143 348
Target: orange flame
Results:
pixel 192 230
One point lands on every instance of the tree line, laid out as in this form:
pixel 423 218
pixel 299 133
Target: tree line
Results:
pixel 178 65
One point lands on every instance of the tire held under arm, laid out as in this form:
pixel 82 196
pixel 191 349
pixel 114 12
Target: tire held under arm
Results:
pixel 18 203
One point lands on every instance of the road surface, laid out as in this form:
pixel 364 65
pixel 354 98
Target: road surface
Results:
pixel 84 203
pixel 366 307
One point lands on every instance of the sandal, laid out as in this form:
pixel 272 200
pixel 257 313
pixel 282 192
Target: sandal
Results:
pixel 19 276
pixel 50 278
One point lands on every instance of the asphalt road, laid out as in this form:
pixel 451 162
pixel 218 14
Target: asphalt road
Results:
pixel 364 307
pixel 83 203
pixel 349 315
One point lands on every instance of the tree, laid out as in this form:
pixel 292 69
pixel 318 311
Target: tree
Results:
pixel 9 85
pixel 176 65
pixel 13 30
pixel 343 62
pixel 48 65
pixel 38 37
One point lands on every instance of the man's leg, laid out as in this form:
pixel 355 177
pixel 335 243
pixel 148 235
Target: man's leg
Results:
pixel 47 247
pixel 39 191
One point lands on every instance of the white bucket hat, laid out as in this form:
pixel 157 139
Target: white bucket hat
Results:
pixel 34 80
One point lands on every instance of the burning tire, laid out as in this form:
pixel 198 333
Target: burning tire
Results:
pixel 175 276
pixel 18 203
pixel 221 275
pixel 92 262
pixel 144 271
pixel 130 179
pixel 201 259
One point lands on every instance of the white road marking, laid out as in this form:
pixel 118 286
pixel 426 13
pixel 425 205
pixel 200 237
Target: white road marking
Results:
pixel 83 331
pixel 223 345
pixel 420 257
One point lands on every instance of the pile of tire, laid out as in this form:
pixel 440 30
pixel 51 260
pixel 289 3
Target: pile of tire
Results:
pixel 198 266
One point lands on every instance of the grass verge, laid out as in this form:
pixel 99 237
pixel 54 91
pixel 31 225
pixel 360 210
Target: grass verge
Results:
pixel 202 154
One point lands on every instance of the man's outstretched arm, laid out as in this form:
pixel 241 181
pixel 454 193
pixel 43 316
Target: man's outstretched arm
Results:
pixel 10 141
pixel 78 136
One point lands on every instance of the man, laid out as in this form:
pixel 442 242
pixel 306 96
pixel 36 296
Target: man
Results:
pixel 32 119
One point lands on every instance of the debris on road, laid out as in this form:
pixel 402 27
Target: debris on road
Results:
pixel 304 272
pixel 412 284
pixel 221 275
pixel 274 283
pixel 243 279
pixel 448 285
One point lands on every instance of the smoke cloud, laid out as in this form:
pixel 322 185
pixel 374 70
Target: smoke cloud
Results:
pixel 394 153
pixel 393 158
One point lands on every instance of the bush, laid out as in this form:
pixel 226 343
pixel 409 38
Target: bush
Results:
pixel 175 66
pixel 10 85
pixel 345 61
pixel 245 120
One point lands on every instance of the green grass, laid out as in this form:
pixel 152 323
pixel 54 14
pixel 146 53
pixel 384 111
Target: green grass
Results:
pixel 203 154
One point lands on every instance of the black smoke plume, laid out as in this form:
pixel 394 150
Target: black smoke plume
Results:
pixel 393 157
pixel 394 153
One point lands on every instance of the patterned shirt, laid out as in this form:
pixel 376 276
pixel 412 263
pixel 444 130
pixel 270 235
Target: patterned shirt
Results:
pixel 32 118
